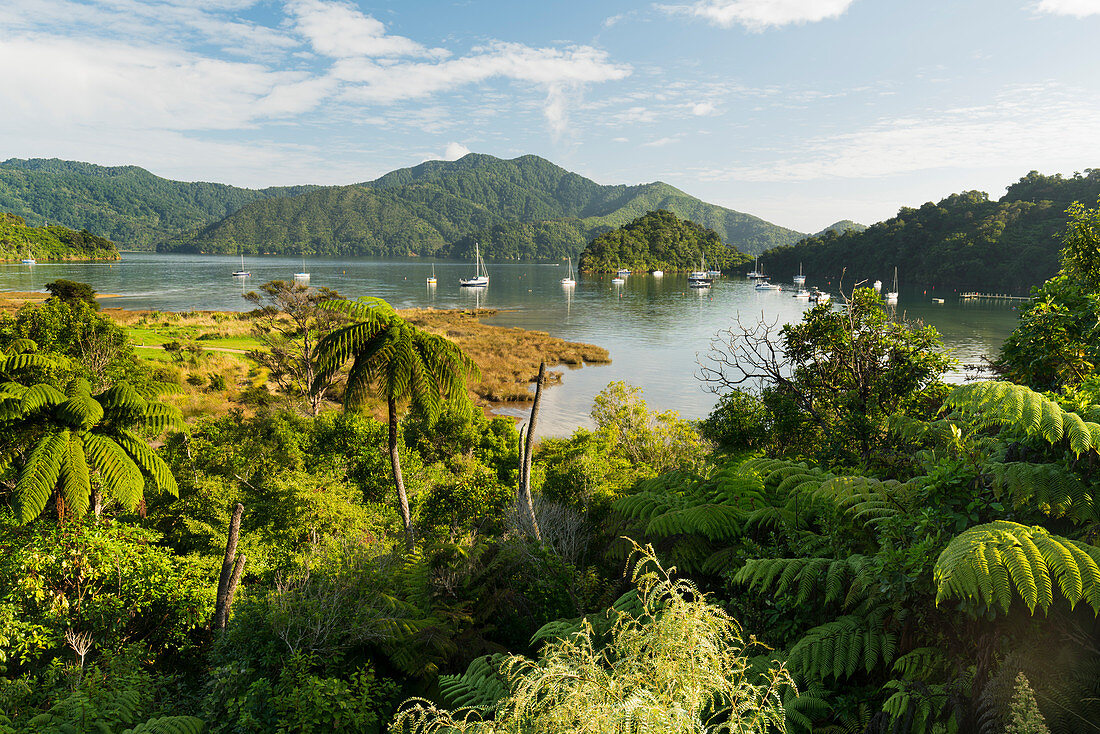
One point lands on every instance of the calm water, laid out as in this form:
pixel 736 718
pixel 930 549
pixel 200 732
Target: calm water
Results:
pixel 653 327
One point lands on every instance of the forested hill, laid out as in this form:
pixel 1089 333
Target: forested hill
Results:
pixel 18 241
pixel 125 203
pixel 844 225
pixel 523 208
pixel 963 242
pixel 659 240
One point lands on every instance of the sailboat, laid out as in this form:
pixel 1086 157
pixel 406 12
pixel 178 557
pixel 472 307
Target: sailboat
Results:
pixel 302 277
pixel 28 260
pixel 242 273
pixel 481 278
pixel 700 278
pixel 431 278
pixel 569 280
pixel 892 296
pixel 799 279
pixel 756 274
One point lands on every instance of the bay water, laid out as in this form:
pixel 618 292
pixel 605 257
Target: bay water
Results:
pixel 656 328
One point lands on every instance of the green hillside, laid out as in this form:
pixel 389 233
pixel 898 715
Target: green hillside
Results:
pixel 658 240
pixel 963 242
pixel 844 225
pixel 18 241
pixel 524 208
pixel 127 204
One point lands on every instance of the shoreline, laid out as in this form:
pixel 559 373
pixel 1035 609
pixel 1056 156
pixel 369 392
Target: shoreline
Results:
pixel 509 357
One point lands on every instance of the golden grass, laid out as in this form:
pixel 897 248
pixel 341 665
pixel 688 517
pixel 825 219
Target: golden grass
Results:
pixel 508 357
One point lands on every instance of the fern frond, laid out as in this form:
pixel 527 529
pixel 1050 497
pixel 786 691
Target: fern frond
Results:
pixel 837 578
pixel 986 563
pixel 1006 405
pixel 149 462
pixel 169 725
pixel 120 475
pixel 39 477
pixel 839 648
pixel 1049 488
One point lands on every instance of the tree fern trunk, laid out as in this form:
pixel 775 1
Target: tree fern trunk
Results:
pixel 395 462
pixel 221 608
pixel 525 482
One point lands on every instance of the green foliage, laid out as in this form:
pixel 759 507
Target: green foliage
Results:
pixel 125 203
pixel 70 290
pixel 737 423
pixel 18 241
pixel 104 578
pixel 1057 342
pixel 62 438
pixel 680 666
pixel 658 240
pixel 525 208
pixel 964 241
pixel 986 563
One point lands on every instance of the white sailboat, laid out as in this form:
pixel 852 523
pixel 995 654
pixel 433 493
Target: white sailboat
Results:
pixel 892 296
pixel 757 273
pixel 800 279
pixel 28 260
pixel 700 278
pixel 303 276
pixel 481 278
pixel 242 273
pixel 569 280
pixel 431 278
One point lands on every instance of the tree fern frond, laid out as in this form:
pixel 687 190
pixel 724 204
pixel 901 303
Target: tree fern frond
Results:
pixel 120 475
pixel 839 648
pixel 986 563
pixel 169 725
pixel 149 462
pixel 41 396
pixel 39 477
pixel 75 485
pixel 1049 488
pixel 1004 404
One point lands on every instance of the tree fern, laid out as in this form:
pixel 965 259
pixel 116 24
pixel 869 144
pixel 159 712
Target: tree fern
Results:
pixel 986 563
pixel 480 687
pixel 1020 408
pixel 840 580
pixel 1049 488
pixel 82 435
pixel 840 648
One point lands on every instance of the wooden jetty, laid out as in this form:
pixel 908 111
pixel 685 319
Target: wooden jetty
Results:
pixel 972 296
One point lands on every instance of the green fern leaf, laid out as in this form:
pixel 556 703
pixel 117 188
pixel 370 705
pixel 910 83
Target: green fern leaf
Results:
pixel 39 477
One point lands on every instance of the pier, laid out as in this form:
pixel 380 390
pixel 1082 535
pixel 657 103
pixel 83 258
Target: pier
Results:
pixel 971 296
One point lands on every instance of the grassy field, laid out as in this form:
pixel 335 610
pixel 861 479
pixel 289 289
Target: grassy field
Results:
pixel 218 343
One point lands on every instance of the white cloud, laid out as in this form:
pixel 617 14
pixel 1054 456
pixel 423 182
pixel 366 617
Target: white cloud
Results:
pixel 341 31
pixel 701 109
pixel 454 151
pixel 1076 8
pixel 1015 129
pixel 659 143
pixel 757 15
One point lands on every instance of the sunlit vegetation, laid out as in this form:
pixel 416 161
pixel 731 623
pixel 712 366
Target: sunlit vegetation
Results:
pixel 963 242
pixel 846 543
pixel 659 240
pixel 19 242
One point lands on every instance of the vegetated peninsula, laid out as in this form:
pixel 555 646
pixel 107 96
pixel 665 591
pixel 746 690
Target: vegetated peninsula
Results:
pixel 126 204
pixel 659 240
pixel 525 208
pixel 963 242
pixel 18 241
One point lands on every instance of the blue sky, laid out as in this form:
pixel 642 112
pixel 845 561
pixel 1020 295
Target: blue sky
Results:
pixel 800 111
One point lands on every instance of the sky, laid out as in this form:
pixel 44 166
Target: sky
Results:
pixel 803 112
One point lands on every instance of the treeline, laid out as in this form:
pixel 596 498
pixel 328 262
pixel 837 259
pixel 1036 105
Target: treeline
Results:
pixel 18 241
pixel 965 241
pixel 659 241
pixel 526 208
pixel 126 204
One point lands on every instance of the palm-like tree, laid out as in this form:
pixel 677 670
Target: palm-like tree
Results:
pixel 21 354
pixel 396 361
pixel 76 436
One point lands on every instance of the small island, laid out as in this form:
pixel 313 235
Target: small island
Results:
pixel 659 240
pixel 52 242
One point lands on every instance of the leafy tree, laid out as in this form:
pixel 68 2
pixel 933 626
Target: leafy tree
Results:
pixel 398 362
pixel 838 374
pixel 70 445
pixel 69 291
pixel 1057 342
pixel 289 324
pixel 659 240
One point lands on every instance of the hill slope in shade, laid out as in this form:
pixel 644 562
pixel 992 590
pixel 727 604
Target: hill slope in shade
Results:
pixel 54 242
pixel 523 208
pixel 963 242
pixel 126 204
